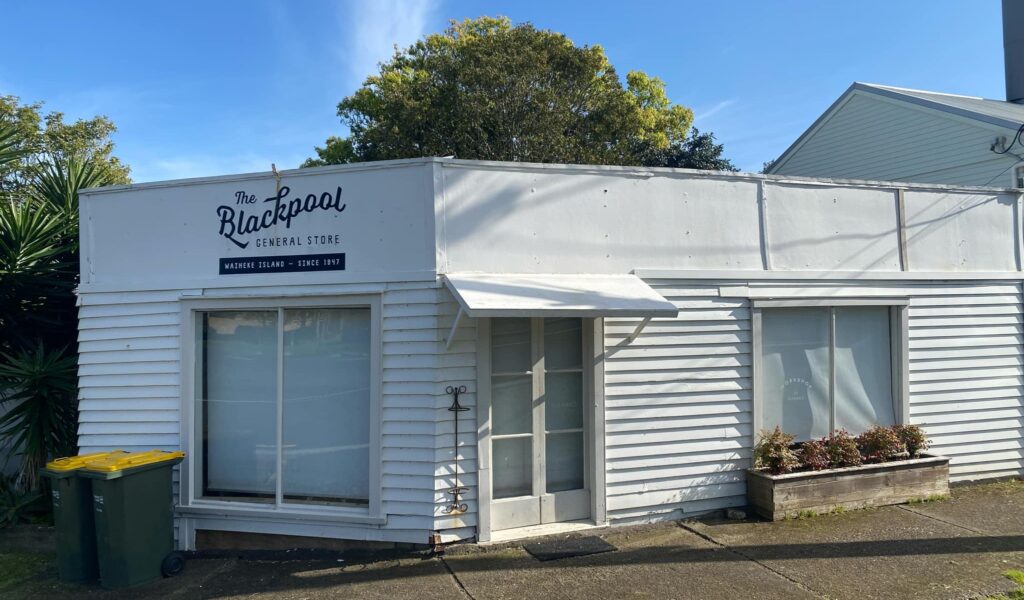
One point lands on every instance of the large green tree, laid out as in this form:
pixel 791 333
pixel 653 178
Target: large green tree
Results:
pixel 487 89
pixel 40 138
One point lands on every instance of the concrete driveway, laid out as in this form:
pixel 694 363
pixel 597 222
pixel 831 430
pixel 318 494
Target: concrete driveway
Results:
pixel 956 548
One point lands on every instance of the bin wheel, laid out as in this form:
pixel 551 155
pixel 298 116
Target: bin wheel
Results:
pixel 173 564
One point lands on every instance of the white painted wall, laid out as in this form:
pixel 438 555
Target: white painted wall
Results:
pixel 553 219
pixel 678 399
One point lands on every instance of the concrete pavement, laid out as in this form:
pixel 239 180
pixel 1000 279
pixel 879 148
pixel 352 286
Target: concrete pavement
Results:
pixel 957 548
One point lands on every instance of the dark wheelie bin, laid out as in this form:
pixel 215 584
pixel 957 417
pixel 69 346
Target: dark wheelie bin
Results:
pixel 133 507
pixel 72 517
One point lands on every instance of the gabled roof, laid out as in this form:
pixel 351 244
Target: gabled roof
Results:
pixel 994 112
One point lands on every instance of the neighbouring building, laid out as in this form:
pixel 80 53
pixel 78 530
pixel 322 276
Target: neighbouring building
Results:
pixel 885 133
pixel 620 334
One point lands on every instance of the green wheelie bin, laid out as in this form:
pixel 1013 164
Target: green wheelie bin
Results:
pixel 72 517
pixel 133 507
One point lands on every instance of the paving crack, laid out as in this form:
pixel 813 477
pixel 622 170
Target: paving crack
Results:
pixel 458 582
pixel 757 562
pixel 934 518
pixel 191 589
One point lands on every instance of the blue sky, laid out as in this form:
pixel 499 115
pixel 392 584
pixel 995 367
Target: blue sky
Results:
pixel 207 88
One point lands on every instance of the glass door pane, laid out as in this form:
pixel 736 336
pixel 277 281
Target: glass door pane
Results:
pixel 326 428
pixel 863 368
pixel 795 356
pixel 511 408
pixel 236 385
pixel 563 405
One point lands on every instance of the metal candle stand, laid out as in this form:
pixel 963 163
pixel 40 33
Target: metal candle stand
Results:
pixel 456 506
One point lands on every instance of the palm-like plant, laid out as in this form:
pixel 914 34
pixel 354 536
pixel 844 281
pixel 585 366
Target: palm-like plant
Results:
pixel 59 180
pixel 10 145
pixel 38 273
pixel 38 388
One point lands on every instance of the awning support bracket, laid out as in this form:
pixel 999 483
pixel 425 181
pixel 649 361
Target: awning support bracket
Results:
pixel 636 332
pixel 455 325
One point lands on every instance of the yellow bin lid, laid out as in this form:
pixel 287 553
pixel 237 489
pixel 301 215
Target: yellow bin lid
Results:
pixel 70 463
pixel 129 460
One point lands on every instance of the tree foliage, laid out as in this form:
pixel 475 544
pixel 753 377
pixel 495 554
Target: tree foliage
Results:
pixel 699 151
pixel 487 89
pixel 41 138
pixel 41 171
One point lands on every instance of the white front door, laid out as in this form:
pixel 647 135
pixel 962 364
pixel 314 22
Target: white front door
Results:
pixel 538 417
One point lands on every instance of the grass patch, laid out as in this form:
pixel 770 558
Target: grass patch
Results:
pixel 810 514
pixel 17 567
pixel 1017 577
pixel 927 499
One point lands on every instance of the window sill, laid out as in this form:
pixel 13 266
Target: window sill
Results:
pixel 279 514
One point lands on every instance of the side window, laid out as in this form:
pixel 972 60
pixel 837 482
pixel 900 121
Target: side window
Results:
pixel 826 368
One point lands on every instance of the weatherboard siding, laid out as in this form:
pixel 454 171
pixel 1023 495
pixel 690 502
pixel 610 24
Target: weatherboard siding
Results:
pixel 870 137
pixel 678 407
pixel 679 397
pixel 130 389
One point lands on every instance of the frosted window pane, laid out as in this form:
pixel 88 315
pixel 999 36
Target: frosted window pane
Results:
pixel 863 368
pixel 795 366
pixel 563 400
pixel 564 461
pixel 510 346
pixel 563 344
pixel 513 467
pixel 326 429
pixel 237 393
pixel 512 404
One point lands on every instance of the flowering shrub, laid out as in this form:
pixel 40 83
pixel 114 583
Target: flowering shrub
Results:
pixel 774 452
pixel 912 437
pixel 842 450
pixel 814 455
pixel 880 444
pixel 777 453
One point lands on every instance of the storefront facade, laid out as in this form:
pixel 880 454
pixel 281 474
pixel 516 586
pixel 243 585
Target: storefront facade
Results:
pixel 620 333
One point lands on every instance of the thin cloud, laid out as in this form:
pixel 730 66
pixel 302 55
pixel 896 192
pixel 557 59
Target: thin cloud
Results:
pixel 375 28
pixel 715 109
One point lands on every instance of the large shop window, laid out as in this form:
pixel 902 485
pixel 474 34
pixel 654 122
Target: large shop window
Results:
pixel 283 402
pixel 826 368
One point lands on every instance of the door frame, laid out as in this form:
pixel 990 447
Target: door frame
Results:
pixel 593 343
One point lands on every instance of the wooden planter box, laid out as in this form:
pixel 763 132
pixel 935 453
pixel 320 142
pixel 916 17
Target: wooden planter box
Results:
pixel 777 497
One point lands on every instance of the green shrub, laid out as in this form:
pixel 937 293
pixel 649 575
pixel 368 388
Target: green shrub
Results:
pixel 774 452
pixel 17 505
pixel 879 444
pixel 814 455
pixel 912 437
pixel 842 450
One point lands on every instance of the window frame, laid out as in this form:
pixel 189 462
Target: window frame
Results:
pixel 898 344
pixel 190 498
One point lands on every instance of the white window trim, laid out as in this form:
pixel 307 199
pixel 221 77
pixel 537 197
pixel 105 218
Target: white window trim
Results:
pixel 1017 167
pixel 898 338
pixel 188 503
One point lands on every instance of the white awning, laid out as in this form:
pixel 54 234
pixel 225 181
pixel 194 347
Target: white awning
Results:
pixel 502 295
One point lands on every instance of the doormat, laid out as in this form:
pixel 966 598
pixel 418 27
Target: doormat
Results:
pixel 568 548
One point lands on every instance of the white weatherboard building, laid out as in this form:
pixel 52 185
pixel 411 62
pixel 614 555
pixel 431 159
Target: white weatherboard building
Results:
pixel 621 333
